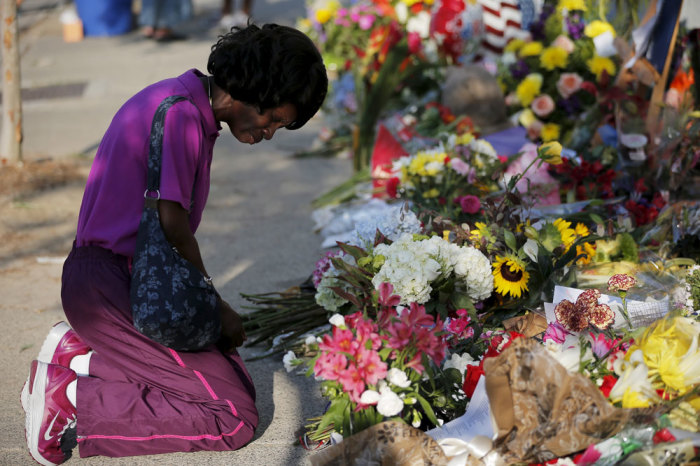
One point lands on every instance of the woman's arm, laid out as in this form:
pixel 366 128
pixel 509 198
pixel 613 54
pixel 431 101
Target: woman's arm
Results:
pixel 176 225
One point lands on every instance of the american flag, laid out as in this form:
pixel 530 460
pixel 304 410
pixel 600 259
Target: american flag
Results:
pixel 505 20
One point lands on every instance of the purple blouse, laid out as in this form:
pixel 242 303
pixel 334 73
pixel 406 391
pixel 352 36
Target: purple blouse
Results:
pixel 113 200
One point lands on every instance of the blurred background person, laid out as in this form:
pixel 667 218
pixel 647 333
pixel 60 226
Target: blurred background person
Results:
pixel 158 18
pixel 229 18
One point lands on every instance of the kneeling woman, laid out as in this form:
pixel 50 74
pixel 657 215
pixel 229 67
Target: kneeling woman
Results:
pixel 101 384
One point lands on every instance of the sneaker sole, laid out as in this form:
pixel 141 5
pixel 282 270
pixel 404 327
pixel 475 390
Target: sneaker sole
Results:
pixel 36 401
pixel 48 348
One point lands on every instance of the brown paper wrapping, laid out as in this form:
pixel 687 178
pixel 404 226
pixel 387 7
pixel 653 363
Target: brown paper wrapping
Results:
pixel 541 410
pixel 390 443
pixel 530 324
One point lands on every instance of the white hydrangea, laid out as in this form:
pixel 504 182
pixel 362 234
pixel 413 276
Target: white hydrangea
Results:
pixel 474 272
pixel 409 268
pixel 412 266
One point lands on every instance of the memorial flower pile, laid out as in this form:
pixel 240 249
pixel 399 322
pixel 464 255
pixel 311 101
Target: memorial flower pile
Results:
pixel 408 312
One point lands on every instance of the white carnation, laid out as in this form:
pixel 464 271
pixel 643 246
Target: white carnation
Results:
pixel 398 378
pixel 389 403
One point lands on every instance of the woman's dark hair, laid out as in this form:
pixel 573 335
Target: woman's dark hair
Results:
pixel 270 66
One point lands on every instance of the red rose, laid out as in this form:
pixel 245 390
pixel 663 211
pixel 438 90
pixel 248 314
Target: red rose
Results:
pixel 471 378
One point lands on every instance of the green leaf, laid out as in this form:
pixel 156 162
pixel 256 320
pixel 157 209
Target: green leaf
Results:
pixel 427 409
pixel 335 413
pixel 509 238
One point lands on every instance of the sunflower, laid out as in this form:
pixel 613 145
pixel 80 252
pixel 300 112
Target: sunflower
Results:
pixel 510 276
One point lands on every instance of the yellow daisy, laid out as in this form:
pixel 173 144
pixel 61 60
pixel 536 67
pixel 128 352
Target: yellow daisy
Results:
pixel 514 45
pixel 510 276
pixel 554 57
pixel 530 49
pixel 598 64
pixel 529 88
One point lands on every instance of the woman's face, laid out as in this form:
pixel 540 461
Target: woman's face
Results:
pixel 249 126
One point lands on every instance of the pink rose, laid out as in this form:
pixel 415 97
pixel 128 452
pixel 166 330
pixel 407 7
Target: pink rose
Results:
pixel 568 84
pixel 542 105
pixel 565 43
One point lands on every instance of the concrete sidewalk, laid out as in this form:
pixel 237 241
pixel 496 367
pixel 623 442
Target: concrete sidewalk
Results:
pixel 256 234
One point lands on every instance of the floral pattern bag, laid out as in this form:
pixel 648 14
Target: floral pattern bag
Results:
pixel 171 302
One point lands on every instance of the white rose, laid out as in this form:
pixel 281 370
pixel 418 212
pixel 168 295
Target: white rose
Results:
pixel 398 378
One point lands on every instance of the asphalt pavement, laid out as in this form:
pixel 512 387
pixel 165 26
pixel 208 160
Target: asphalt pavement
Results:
pixel 256 234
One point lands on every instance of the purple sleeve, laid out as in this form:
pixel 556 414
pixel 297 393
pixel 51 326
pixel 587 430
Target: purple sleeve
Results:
pixel 182 137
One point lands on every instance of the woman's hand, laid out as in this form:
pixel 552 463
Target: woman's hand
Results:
pixel 232 333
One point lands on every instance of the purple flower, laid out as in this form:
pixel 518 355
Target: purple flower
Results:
pixel 575 26
pixel 520 69
pixel 571 106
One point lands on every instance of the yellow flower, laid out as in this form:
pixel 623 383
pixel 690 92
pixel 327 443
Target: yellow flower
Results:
pixel 568 234
pixel 572 5
pixel 588 249
pixel 431 193
pixel 464 139
pixel 531 49
pixel 510 276
pixel 598 64
pixel 427 163
pixel 633 388
pixel 514 45
pixel 527 117
pixel 670 348
pixel 529 88
pixel 554 57
pixel 582 230
pixel 550 132
pixel 323 15
pixel 598 27
pixel 479 231
pixel 550 152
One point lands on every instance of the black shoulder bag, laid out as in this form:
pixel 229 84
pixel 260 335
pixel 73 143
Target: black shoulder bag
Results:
pixel 172 302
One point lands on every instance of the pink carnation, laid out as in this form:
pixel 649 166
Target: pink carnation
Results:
pixel 565 43
pixel 543 105
pixel 568 84
pixel 570 316
pixel 470 204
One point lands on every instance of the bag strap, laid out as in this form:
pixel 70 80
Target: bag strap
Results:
pixel 155 148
